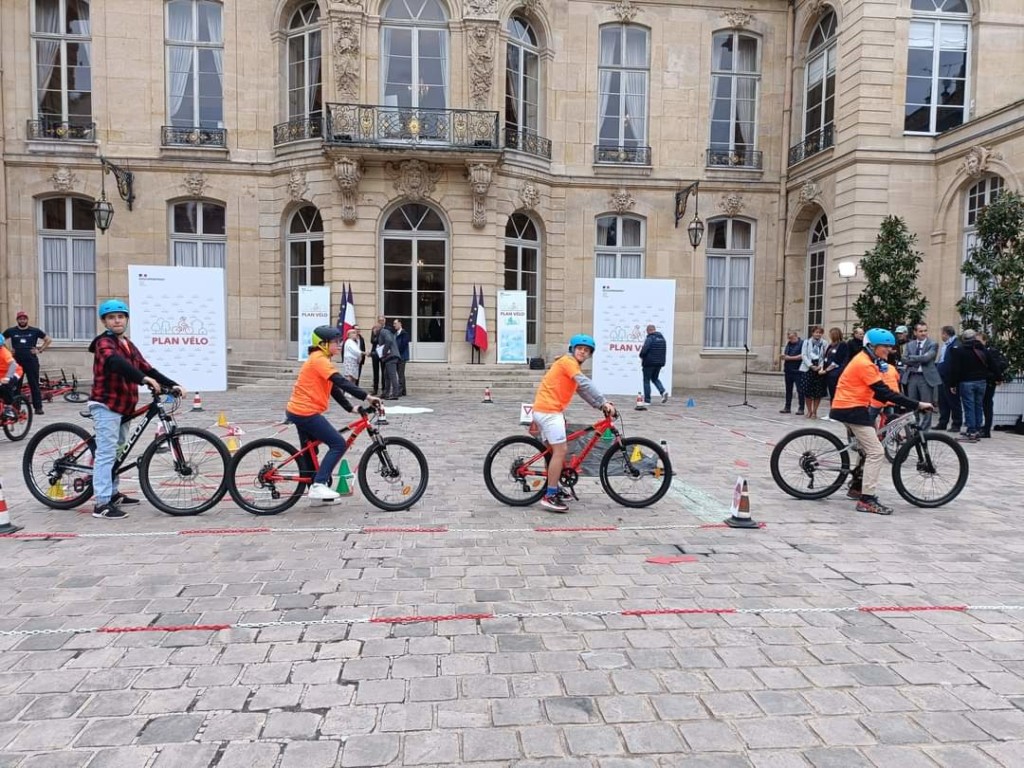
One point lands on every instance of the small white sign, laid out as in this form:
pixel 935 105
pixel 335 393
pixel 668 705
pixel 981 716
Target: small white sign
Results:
pixel 526 413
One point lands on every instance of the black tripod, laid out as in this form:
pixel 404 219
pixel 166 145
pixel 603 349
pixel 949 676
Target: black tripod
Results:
pixel 746 356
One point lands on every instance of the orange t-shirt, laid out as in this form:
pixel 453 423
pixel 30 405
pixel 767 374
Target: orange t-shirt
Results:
pixel 854 387
pixel 892 380
pixel 6 358
pixel 558 386
pixel 312 391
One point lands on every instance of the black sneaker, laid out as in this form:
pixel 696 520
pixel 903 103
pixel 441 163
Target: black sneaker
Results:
pixel 120 498
pixel 553 503
pixel 800 412
pixel 109 511
pixel 785 410
pixel 39 411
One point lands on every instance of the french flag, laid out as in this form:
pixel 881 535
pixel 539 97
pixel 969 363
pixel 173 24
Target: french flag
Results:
pixel 349 320
pixel 480 329
pixel 471 322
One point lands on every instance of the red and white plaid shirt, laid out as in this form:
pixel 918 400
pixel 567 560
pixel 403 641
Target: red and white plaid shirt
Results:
pixel 118 392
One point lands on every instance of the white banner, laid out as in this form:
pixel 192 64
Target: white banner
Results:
pixel 623 309
pixel 511 326
pixel 314 310
pixel 177 321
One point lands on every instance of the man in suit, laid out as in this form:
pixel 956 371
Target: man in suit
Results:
pixel 950 411
pixel 920 378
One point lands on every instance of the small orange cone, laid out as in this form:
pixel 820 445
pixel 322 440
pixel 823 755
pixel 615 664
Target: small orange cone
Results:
pixel 197 402
pixel 487 395
pixel 6 526
pixel 164 446
pixel 740 517
pixel 640 404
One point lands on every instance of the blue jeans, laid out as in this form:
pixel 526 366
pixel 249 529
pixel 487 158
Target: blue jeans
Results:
pixel 972 395
pixel 317 427
pixel 110 432
pixel 651 375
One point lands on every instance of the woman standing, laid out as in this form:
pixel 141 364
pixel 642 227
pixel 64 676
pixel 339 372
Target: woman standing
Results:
pixel 812 371
pixel 837 355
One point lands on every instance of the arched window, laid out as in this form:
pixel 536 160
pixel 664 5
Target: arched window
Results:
pixel 63 71
pixel 195 68
pixel 304 245
pixel 735 80
pixel 522 268
pixel 624 73
pixel 816 252
pixel 620 247
pixel 414 61
pixel 938 53
pixel 305 97
pixel 729 283
pixel 522 90
pixel 978 196
pixel 820 83
pixel 198 234
pixel 67 255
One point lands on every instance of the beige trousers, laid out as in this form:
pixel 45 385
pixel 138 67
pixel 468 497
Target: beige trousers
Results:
pixel 874 456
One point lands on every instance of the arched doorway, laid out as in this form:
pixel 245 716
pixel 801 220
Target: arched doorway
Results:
pixel 817 247
pixel 304 260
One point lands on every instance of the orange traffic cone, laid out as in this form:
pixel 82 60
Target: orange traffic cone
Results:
pixel 487 395
pixel 382 418
pixel 640 404
pixel 6 526
pixel 163 445
pixel 197 402
pixel 740 517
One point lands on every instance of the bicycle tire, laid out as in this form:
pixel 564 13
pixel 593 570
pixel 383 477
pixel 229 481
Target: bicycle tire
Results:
pixel 925 456
pixel 380 460
pixel 23 424
pixel 248 491
pixel 807 463
pixel 205 469
pixel 38 465
pixel 640 461
pixel 507 466
pixel 75 397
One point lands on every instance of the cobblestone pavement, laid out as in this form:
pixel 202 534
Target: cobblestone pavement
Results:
pixel 572 671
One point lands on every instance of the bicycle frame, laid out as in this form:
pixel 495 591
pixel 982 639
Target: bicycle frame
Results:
pixel 50 389
pixel 885 433
pixel 575 460
pixel 355 429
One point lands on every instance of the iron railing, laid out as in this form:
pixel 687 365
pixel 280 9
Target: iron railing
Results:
pixel 607 154
pixel 812 144
pixel 299 128
pixel 373 124
pixel 527 141
pixel 174 136
pixel 739 157
pixel 56 130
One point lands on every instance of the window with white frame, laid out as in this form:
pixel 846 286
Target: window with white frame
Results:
pixel 305 96
pixel 522 78
pixel 978 196
pixel 820 81
pixel 620 247
pixel 938 53
pixel 623 75
pixel 67 255
pixel 729 283
pixel 305 259
pixel 198 234
pixel 195 64
pixel 522 266
pixel 63 68
pixel 735 80
pixel 816 250
pixel 414 55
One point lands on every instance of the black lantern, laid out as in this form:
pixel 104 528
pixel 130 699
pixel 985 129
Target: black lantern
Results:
pixel 102 212
pixel 695 230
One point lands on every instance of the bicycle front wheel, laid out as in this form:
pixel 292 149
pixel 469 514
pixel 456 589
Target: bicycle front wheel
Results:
pixel 930 470
pixel 512 474
pixel 184 472
pixel 75 396
pixel 264 480
pixel 17 429
pixel 635 472
pixel 57 465
pixel 393 474
pixel 810 463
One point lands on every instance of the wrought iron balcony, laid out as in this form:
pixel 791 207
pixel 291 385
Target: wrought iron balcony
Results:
pixel 376 125
pixel 739 157
pixel 607 154
pixel 300 128
pixel 812 144
pixel 174 136
pixel 55 130
pixel 527 141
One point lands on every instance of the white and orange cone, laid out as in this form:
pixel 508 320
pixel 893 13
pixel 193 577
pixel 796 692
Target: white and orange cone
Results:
pixel 197 402
pixel 487 395
pixel 6 526
pixel 740 517
pixel 640 404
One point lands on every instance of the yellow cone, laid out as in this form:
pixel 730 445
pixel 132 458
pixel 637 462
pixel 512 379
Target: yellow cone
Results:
pixel 56 492
pixel 636 455
pixel 232 444
pixel 345 478
pixel 222 420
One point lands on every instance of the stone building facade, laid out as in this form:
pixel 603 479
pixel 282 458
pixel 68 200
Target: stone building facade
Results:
pixel 417 148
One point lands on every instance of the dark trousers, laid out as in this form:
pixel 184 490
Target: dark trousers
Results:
pixel 391 387
pixel 10 390
pixel 986 407
pixel 832 382
pixel 375 361
pixel 401 377
pixel 950 411
pixel 651 376
pixel 30 366
pixel 793 382
pixel 317 427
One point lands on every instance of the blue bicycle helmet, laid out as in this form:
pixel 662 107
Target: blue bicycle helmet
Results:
pixel 112 305
pixel 1 339
pixel 879 336
pixel 582 339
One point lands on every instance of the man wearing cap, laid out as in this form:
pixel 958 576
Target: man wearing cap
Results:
pixel 24 340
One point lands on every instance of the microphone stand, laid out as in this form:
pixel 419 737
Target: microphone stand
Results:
pixel 746 355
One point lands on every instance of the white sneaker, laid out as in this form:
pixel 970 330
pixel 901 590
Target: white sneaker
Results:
pixel 321 492
pixel 664 397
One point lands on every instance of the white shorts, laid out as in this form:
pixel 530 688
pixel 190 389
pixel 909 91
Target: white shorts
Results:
pixel 551 425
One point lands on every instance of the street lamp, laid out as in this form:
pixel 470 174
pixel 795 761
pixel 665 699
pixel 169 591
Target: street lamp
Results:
pixel 102 209
pixel 848 271
pixel 695 229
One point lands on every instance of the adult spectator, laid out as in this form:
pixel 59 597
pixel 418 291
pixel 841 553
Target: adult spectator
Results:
pixel 950 412
pixel 837 355
pixel 920 377
pixel 402 340
pixel 352 356
pixel 812 370
pixel 791 356
pixel 970 370
pixel 856 341
pixel 24 339
pixel 1000 365
pixel 375 351
pixel 387 350
pixel 652 360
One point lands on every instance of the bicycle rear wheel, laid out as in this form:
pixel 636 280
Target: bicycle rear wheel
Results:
pixel 263 478
pixel 184 472
pixel 510 473
pixel 75 396
pixel 635 472
pixel 17 429
pixel 930 470
pixel 393 474
pixel 57 465
pixel 810 463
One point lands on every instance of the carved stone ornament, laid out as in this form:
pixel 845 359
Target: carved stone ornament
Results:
pixel 413 178
pixel 348 174
pixel 482 7
pixel 346 59
pixel 731 204
pixel 480 181
pixel 194 183
pixel 531 6
pixel 625 11
pixel 63 179
pixel 809 192
pixel 356 5
pixel 480 38
pixel 977 160
pixel 815 7
pixel 529 196
pixel 622 200
pixel 738 18
pixel 297 187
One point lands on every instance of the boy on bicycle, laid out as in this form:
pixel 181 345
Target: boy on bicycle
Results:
pixel 861 382
pixel 318 379
pixel 564 379
pixel 10 380
pixel 118 368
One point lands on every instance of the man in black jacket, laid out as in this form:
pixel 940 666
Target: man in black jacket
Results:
pixel 970 370
pixel 652 360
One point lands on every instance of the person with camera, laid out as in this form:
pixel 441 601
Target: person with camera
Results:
pixel 813 383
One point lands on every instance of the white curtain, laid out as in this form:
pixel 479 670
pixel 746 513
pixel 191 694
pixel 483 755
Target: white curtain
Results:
pixel 739 300
pixel 635 92
pixel 609 50
pixel 83 275
pixel 714 303
pixel 315 62
pixel 215 255
pixel 55 287
pixel 390 100
pixel 746 92
pixel 47 22
pixel 216 26
pixel 605 265
pixel 631 265
pixel 185 253
pixel 180 61
pixel 442 37
pixel 513 83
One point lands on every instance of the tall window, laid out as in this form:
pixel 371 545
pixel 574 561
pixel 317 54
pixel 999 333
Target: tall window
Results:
pixel 735 77
pixel 622 91
pixel 414 55
pixel 67 250
pixel 820 81
pixel 305 99
pixel 620 247
pixel 198 235
pixel 816 273
pixel 978 196
pixel 730 269
pixel 63 71
pixel 305 259
pixel 937 56
pixel 522 266
pixel 522 79
pixel 195 64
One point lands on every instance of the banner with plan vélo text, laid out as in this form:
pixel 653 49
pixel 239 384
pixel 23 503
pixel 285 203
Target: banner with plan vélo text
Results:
pixel 511 326
pixel 314 310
